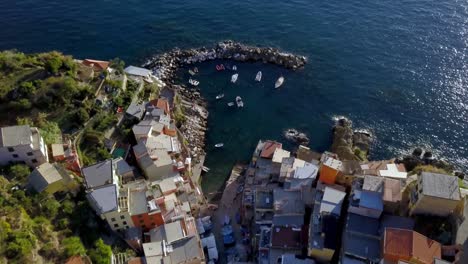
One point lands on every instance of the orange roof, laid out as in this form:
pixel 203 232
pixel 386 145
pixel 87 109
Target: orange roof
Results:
pixel 269 148
pixel 96 63
pixel 76 260
pixel 162 104
pixel 406 244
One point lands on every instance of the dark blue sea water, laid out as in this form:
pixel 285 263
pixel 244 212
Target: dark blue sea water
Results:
pixel 397 68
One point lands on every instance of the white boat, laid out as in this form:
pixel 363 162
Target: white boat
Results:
pixel 219 145
pixel 230 104
pixel 148 80
pixel 191 72
pixel 234 77
pixel 279 82
pixel 194 82
pixel 195 69
pixel 259 76
pixel 234 68
pixel 239 102
pixel 219 96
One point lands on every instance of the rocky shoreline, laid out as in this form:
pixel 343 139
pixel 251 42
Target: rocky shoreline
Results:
pixel 165 66
pixel 350 144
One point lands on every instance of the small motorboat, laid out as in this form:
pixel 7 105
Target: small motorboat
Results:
pixel 219 96
pixel 194 82
pixel 259 76
pixel 230 103
pixel 191 72
pixel 234 78
pixel 195 70
pixel 234 68
pixel 220 67
pixel 279 82
pixel 239 102
pixel 219 145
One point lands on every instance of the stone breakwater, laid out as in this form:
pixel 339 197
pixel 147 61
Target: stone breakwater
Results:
pixel 165 66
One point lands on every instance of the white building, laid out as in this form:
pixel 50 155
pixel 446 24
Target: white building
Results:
pixel 22 144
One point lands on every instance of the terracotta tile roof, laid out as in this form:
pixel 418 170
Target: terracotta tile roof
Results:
pixel 406 244
pixel 77 260
pixel 392 190
pixel 269 149
pixel 103 65
pixel 161 104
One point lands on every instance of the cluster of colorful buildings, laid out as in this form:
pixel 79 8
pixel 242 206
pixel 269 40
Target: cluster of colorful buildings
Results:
pixel 307 207
pixel 155 207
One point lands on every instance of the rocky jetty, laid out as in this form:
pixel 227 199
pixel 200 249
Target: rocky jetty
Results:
pixel 349 144
pixel 165 66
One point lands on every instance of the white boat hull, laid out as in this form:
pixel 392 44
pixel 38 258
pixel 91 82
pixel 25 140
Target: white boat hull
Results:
pixel 279 82
pixel 234 78
pixel 259 76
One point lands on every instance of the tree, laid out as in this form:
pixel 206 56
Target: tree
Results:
pixel 50 131
pixel 21 121
pixel 20 243
pixel 19 172
pixel 26 89
pixel 81 116
pixel 117 64
pixel 53 64
pixel 101 253
pixel 50 208
pixel 72 246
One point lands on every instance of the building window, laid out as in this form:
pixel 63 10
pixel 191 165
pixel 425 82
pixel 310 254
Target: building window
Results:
pixel 34 160
pixel 29 153
pixel 142 221
pixel 143 226
pixel 124 222
pixel 116 225
pixel 153 224
pixel 113 219
pixel 122 217
pixel 11 149
pixel 140 216
pixel 15 155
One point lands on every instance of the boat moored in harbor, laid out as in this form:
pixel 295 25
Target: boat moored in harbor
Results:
pixel 259 76
pixel 279 82
pixel 219 96
pixel 239 102
pixel 234 77
pixel 230 104
pixel 220 67
pixel 219 145
pixel 194 82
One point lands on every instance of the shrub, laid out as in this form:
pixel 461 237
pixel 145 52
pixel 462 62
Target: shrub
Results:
pixel 19 172
pixel 101 253
pixel 72 246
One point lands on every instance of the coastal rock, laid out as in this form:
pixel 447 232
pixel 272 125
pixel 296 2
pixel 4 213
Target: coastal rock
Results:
pixel 296 136
pixel 349 144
